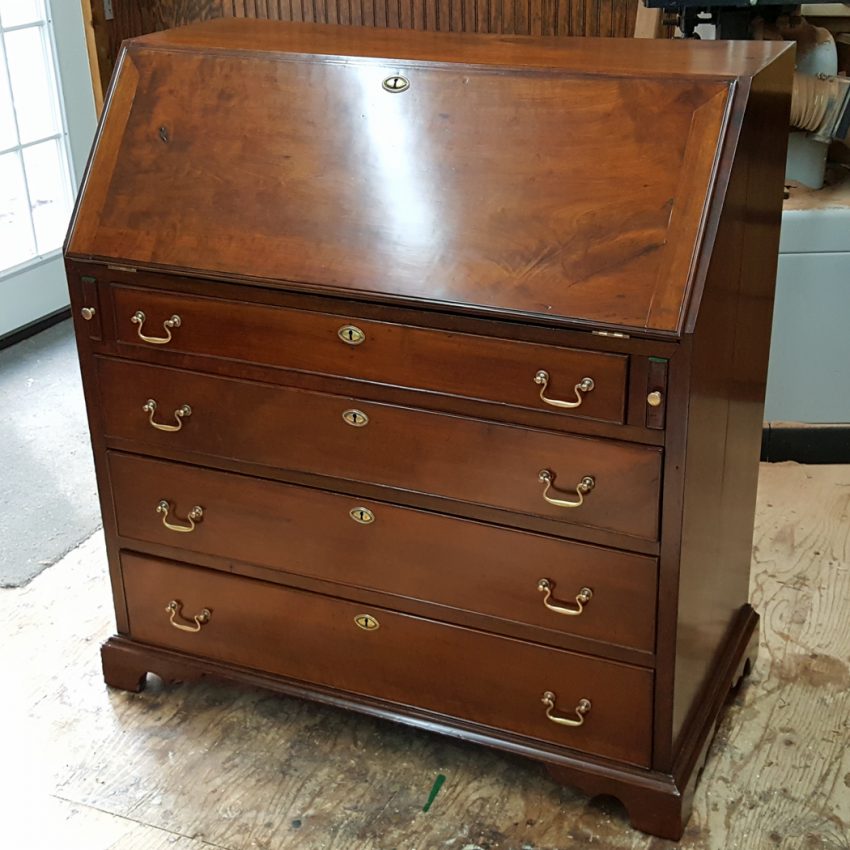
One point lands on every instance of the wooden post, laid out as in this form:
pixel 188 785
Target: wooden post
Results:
pixel 97 43
pixel 647 22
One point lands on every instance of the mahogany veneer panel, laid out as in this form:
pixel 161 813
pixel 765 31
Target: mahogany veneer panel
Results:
pixel 420 203
pixel 311 638
pixel 459 364
pixel 401 448
pixel 404 552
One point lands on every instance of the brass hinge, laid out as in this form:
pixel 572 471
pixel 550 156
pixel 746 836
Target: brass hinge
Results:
pixel 611 333
pixel 121 268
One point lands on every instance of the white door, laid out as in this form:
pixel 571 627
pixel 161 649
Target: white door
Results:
pixel 47 122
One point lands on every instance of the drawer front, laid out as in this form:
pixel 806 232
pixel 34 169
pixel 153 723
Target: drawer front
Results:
pixel 457 563
pixel 459 672
pixel 478 367
pixel 453 457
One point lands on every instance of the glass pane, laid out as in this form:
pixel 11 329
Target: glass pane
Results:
pixel 16 243
pixel 49 193
pixel 33 87
pixel 16 12
pixel 8 136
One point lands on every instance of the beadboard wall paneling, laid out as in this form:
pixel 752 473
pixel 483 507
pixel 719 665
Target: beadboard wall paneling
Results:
pixel 525 17
pixel 529 17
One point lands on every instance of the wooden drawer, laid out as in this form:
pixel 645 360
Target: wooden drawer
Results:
pixel 457 563
pixel 477 367
pixel 458 672
pixel 449 456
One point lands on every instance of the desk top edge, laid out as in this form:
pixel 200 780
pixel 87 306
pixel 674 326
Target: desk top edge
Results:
pixel 673 57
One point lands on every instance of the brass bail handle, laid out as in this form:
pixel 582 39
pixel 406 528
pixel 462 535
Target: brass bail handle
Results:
pixel 139 318
pixel 194 516
pixel 175 609
pixel 547 477
pixel 545 586
pixel 180 414
pixel 581 710
pixel 585 385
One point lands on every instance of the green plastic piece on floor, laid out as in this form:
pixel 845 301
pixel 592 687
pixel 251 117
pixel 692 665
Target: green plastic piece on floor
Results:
pixel 438 784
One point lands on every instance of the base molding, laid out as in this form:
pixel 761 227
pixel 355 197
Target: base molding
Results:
pixel 805 443
pixel 36 327
pixel 126 663
pixel 657 803
pixel 736 658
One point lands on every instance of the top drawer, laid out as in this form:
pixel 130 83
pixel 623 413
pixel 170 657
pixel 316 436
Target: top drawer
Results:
pixel 576 383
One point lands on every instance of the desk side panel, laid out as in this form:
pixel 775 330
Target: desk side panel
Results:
pixel 730 348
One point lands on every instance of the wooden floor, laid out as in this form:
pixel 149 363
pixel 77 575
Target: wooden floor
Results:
pixel 192 767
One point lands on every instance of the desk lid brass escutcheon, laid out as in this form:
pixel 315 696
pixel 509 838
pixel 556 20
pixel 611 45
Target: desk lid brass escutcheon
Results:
pixel 396 84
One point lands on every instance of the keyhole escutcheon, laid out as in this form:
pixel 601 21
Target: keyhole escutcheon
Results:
pixel 357 418
pixel 362 515
pixel 396 84
pixel 351 334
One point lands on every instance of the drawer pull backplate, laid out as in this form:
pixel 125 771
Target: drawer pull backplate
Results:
pixel 583 487
pixel 138 318
pixel 175 609
pixel 545 586
pixel 183 411
pixel 581 710
pixel 194 516
pixel 585 385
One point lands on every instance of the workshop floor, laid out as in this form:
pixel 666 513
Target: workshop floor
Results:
pixel 200 766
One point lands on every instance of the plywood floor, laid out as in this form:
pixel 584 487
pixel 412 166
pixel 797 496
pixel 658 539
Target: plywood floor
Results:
pixel 203 766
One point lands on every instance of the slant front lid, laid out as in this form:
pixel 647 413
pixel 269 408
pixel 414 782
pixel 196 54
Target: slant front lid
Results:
pixel 527 190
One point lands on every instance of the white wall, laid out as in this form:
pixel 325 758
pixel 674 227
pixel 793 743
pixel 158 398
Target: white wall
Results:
pixel 809 374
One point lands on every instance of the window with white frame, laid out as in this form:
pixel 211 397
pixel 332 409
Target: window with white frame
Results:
pixel 35 174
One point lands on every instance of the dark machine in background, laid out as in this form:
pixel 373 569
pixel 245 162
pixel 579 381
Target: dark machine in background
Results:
pixel 733 18
pixel 820 105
